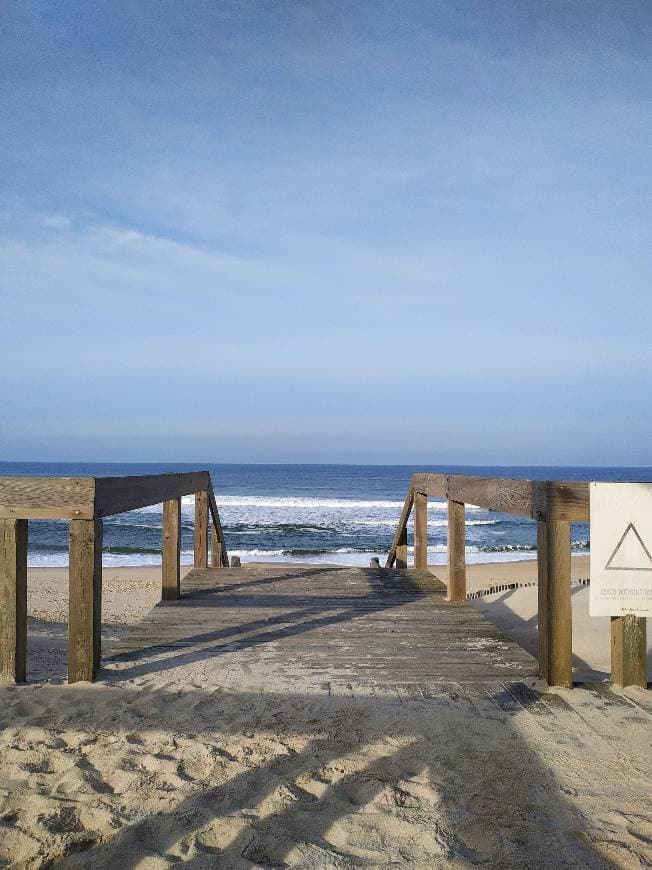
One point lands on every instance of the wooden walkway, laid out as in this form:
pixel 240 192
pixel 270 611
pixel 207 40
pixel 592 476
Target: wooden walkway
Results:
pixel 303 627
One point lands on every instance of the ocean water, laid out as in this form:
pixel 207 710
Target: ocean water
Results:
pixel 342 514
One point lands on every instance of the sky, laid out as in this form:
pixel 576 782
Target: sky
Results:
pixel 326 231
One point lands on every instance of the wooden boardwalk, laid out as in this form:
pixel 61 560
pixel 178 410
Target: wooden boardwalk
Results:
pixel 303 627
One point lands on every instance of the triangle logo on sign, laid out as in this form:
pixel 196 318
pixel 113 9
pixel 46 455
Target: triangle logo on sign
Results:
pixel 630 553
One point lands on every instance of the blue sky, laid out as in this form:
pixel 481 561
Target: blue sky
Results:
pixel 326 231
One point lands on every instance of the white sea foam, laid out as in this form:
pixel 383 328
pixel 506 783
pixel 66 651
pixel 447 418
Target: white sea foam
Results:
pixel 302 529
pixel 341 556
pixel 304 503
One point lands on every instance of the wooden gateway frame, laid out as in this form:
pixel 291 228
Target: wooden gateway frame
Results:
pixel 554 505
pixel 84 501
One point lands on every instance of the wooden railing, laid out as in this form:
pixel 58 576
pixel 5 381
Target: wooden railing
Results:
pixel 554 505
pixel 84 501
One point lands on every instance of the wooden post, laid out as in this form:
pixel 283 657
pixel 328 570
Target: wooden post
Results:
pixel 555 612
pixel 420 531
pixel 628 651
pixel 401 549
pixel 13 599
pixel 201 529
pixel 235 562
pixel 84 600
pixel 456 552
pixel 171 549
pixel 216 549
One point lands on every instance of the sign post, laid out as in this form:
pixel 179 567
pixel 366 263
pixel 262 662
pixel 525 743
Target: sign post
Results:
pixel 621 572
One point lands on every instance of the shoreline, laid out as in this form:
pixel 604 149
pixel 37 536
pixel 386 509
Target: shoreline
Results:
pixel 479 575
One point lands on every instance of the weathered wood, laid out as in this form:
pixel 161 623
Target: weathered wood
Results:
pixel 509 496
pixel 456 551
pixel 554 500
pixel 201 529
pixel 285 625
pixel 555 613
pixel 235 562
pixel 557 500
pixel 13 599
pixel 85 600
pixel 217 525
pixel 216 548
pixel 92 497
pixel 171 569
pixel 420 531
pixel 114 495
pixel 435 485
pixel 628 651
pixel 46 498
pixel 402 549
pixel 401 531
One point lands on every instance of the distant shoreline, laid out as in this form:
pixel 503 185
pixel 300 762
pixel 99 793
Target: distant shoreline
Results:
pixel 479 575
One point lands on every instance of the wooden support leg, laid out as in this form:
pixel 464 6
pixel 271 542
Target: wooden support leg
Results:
pixel 555 613
pixel 201 529
pixel 171 550
pixel 628 651
pixel 401 549
pixel 420 531
pixel 85 600
pixel 216 549
pixel 13 599
pixel 456 552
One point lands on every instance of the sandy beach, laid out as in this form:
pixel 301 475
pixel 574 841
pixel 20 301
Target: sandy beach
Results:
pixel 184 767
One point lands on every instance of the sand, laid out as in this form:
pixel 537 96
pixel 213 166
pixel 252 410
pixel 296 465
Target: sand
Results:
pixel 515 612
pixel 173 767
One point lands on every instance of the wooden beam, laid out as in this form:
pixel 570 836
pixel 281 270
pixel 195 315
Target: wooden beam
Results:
pixel 171 569
pixel 85 600
pixel 88 497
pixel 216 548
pixel 555 613
pixel 201 529
pixel 568 501
pixel 44 498
pixel 13 599
pixel 420 531
pixel 402 549
pixel 629 651
pixel 542 500
pixel 496 494
pixel 435 485
pixel 400 536
pixel 217 524
pixel 456 551
pixel 114 495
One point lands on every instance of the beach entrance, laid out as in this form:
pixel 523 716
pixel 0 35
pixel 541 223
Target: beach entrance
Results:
pixel 280 715
pixel 318 628
pixel 390 625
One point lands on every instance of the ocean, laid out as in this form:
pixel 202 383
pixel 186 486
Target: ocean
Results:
pixel 342 514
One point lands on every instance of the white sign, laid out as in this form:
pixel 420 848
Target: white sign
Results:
pixel 621 549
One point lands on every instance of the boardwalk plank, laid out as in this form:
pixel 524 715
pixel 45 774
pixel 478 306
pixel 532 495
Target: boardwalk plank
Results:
pixel 322 625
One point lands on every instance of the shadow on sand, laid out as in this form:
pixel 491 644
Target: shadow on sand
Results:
pixel 435 779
